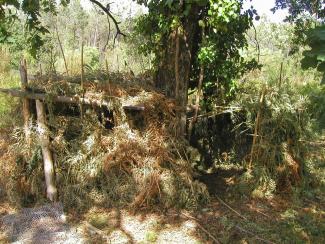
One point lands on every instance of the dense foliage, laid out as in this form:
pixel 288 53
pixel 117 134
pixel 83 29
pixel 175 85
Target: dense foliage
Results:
pixel 219 39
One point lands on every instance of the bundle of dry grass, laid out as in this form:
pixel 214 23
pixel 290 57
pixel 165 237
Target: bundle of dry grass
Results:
pixel 137 163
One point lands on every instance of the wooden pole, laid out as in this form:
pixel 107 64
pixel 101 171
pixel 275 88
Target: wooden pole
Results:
pixel 82 67
pixel 197 103
pixel 40 70
pixel 198 95
pixel 257 125
pixel 72 100
pixel 51 191
pixel 281 70
pixel 177 64
pixel 61 48
pixel 26 110
pixel 82 77
pixel 108 81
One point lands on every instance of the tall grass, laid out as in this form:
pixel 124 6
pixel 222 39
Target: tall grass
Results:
pixel 8 79
pixel 288 116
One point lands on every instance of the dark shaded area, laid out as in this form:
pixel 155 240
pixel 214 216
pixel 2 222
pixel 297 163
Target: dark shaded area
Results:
pixel 221 137
pixel 105 117
pixel 219 182
pixel 136 119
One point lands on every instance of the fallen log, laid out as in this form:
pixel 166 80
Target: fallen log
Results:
pixel 68 99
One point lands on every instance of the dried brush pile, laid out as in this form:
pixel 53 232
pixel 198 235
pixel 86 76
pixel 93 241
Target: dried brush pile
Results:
pixel 128 165
pixel 280 118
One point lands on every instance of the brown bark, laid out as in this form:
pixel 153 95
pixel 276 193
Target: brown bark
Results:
pixel 51 191
pixel 26 110
pixel 175 65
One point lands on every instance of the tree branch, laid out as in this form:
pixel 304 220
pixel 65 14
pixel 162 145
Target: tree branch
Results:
pixel 109 14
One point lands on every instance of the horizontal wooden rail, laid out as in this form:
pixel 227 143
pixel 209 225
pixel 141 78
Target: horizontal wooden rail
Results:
pixel 67 99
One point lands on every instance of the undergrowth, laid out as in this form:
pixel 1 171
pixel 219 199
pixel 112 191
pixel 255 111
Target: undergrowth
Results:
pixel 286 112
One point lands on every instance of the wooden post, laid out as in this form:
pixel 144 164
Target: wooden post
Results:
pixel 40 70
pixel 281 70
pixel 257 125
pixel 197 103
pixel 82 67
pixel 61 48
pixel 26 110
pixel 51 191
pixel 198 96
pixel 82 77
pixel 108 81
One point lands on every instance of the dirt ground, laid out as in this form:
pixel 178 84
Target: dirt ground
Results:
pixel 224 220
pixel 228 218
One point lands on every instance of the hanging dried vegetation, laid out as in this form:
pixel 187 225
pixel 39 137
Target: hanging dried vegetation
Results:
pixel 136 163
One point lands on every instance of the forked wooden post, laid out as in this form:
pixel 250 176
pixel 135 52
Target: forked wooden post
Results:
pixel 51 191
pixel 26 109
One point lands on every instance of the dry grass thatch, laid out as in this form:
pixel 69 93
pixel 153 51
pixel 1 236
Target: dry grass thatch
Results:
pixel 129 165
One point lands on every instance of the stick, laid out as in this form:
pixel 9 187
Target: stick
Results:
pixel 255 236
pixel 281 70
pixel 202 228
pixel 82 67
pixel 82 77
pixel 177 65
pixel 92 228
pixel 61 48
pixel 220 200
pixel 108 81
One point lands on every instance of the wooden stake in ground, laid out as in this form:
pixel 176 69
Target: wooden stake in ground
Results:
pixel 82 77
pixel 257 125
pixel 197 103
pixel 26 110
pixel 280 78
pixel 198 97
pixel 82 67
pixel 61 48
pixel 51 191
pixel 108 81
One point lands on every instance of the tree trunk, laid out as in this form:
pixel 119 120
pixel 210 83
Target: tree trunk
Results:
pixel 51 191
pixel 173 75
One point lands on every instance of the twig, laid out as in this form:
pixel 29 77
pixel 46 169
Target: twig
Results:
pixel 253 234
pixel 257 44
pixel 61 48
pixel 92 228
pixel 118 30
pixel 202 228
pixel 220 200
